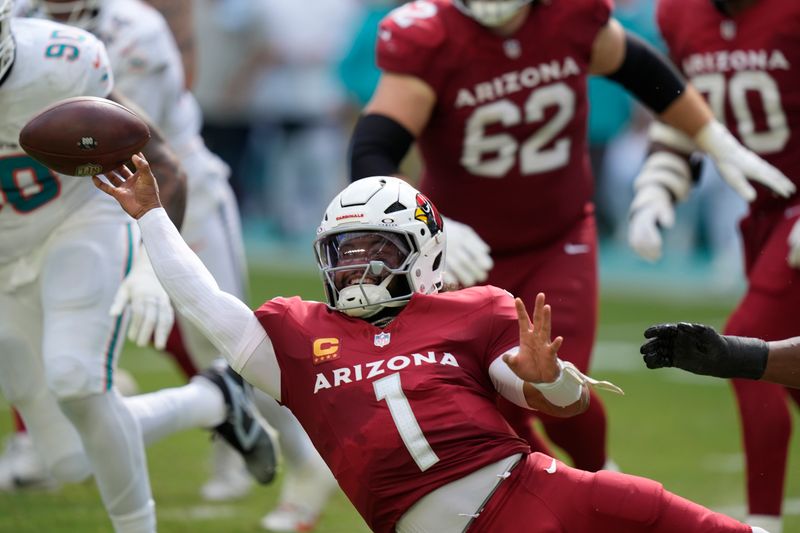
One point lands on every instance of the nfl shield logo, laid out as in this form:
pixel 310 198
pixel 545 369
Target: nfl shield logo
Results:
pixel 382 339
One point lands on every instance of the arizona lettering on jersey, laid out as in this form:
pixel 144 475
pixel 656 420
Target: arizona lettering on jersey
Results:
pixel 52 62
pixel 747 67
pixel 515 81
pixel 373 369
pixel 734 60
pixel 506 142
pixel 368 408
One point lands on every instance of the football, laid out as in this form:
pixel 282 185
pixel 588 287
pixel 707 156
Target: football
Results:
pixel 84 136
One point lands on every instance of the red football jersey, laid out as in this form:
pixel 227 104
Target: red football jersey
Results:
pixel 505 148
pixel 748 67
pixel 400 411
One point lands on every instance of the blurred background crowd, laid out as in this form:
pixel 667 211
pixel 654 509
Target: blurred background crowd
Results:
pixel 281 84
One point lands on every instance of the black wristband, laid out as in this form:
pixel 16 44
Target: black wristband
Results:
pixel 377 147
pixel 747 357
pixel 648 75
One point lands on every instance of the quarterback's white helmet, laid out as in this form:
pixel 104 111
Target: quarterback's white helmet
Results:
pixel 491 12
pixel 6 40
pixel 379 242
pixel 80 13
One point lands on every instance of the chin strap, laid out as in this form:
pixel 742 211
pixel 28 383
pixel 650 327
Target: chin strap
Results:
pixel 355 300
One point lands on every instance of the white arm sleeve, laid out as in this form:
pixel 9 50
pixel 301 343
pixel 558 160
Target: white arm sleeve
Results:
pixel 224 319
pixel 506 382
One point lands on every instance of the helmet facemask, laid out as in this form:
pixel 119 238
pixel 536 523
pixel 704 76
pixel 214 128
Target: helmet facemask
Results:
pixel 79 13
pixel 491 13
pixel 7 47
pixel 366 271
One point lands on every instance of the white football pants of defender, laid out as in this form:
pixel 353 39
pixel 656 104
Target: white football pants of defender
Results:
pixel 58 351
pixel 212 228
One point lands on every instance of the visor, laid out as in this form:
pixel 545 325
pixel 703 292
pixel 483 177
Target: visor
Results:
pixel 362 247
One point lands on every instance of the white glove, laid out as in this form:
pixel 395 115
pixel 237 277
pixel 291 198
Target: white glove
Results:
pixel 794 245
pixel 650 211
pixel 151 312
pixel 737 164
pixel 467 259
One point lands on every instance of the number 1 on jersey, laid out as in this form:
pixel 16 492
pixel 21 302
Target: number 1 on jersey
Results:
pixel 391 390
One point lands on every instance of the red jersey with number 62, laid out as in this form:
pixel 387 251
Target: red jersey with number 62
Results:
pixel 748 68
pixel 400 411
pixel 505 148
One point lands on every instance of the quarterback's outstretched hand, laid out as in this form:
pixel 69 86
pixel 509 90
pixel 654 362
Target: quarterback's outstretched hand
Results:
pixel 537 359
pixel 137 192
pixel 701 350
pixel 737 164
pixel 151 312
pixel 467 259
pixel 794 245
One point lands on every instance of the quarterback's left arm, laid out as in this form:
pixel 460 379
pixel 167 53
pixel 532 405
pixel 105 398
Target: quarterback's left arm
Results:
pixel 531 375
pixel 652 79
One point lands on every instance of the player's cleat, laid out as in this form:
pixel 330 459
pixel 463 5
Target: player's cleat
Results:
pixel 305 491
pixel 21 467
pixel 289 518
pixel 243 429
pixel 230 480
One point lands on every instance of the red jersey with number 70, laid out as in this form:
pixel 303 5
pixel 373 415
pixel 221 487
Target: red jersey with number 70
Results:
pixel 400 411
pixel 505 148
pixel 748 68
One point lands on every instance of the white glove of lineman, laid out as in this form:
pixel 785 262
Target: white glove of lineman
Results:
pixel 467 259
pixel 651 210
pixel 737 164
pixel 151 312
pixel 665 178
pixel 794 245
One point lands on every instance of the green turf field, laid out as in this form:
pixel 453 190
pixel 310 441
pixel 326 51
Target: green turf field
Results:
pixel 679 429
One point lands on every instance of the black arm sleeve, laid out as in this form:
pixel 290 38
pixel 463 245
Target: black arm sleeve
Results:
pixel 377 147
pixel 648 75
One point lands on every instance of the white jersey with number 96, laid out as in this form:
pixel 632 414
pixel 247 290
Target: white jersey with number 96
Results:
pixel 52 62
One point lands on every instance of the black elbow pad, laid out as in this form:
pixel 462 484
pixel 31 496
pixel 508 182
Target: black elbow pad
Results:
pixel 648 75
pixel 377 146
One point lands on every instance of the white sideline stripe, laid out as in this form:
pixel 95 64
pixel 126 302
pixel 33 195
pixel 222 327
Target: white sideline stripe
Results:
pixel 626 329
pixel 616 356
pixel 791 507
pixel 197 512
pixel 724 463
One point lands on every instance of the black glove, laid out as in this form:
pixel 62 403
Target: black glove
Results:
pixel 701 350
